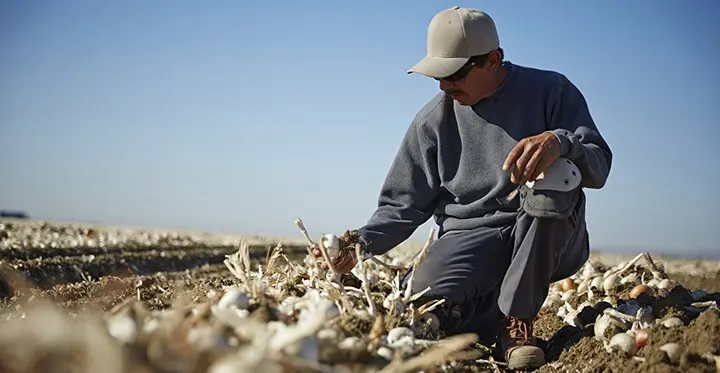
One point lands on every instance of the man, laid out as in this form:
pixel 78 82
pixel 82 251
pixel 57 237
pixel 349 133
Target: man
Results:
pixel 494 127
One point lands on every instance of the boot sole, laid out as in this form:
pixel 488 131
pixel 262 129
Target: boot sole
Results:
pixel 525 362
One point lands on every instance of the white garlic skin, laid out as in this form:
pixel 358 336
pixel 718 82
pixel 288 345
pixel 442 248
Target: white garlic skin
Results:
pixel 332 244
pixel 610 282
pixel 396 334
pixel 666 284
pixel 630 279
pixel 568 295
pixel 328 334
pixel 608 324
pixel 234 298
pixel 589 270
pixel 393 302
pixel 672 322
pixel 351 343
pixel 122 327
pixel 653 283
pixel 625 343
pixel 672 350
pixel 551 300
pixel 583 286
pixel 386 353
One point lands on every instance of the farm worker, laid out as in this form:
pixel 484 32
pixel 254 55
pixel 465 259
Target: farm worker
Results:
pixel 495 126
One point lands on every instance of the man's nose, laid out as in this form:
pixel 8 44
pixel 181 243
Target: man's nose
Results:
pixel 445 85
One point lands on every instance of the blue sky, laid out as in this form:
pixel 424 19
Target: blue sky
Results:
pixel 234 116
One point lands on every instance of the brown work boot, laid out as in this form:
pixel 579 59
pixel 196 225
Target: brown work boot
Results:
pixel 519 345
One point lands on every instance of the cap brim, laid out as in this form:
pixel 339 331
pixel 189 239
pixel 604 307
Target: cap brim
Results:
pixel 438 67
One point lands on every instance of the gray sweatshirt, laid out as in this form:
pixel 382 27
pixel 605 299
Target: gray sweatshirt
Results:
pixel 450 160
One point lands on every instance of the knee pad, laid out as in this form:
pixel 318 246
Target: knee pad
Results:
pixel 555 192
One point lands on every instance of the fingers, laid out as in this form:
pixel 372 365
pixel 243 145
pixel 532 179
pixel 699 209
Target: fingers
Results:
pixel 541 167
pixel 343 263
pixel 346 266
pixel 530 157
pixel 513 155
pixel 346 262
pixel 549 152
pixel 518 174
pixel 531 170
pixel 519 157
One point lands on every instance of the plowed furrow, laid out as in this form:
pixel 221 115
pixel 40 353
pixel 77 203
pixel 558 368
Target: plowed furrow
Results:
pixel 37 252
pixel 158 290
pixel 50 271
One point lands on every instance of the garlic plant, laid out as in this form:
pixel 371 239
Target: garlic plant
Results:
pixel 619 304
pixel 280 316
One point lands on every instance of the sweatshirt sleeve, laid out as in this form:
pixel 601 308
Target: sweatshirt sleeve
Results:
pixel 407 196
pixel 579 137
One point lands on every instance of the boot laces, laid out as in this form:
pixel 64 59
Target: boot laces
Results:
pixel 519 330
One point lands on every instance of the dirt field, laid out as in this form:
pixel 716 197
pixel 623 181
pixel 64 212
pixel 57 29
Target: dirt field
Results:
pixel 94 270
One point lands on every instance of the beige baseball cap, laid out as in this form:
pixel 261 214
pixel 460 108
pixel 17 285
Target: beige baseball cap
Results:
pixel 455 35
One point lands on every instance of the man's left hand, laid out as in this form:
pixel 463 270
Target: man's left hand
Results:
pixel 531 156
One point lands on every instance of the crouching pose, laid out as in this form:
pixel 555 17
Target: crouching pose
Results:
pixel 495 130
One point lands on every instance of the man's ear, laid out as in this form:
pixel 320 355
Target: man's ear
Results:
pixel 494 60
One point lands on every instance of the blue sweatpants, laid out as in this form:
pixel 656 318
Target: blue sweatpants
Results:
pixel 487 273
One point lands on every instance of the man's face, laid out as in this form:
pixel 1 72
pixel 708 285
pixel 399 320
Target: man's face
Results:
pixel 472 83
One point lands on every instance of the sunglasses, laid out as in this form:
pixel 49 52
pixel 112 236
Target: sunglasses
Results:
pixel 460 74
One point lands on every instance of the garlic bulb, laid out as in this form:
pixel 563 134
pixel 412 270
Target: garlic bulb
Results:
pixel 672 322
pixel 332 244
pixel 393 304
pixel 641 337
pixel 672 350
pixel 396 334
pixel 653 283
pixel 122 327
pixel 606 326
pixel 352 343
pixel 568 284
pixel 666 284
pixel 583 286
pixel 624 343
pixel 551 300
pixel 610 283
pixel 234 298
pixel 568 294
pixel 328 334
pixel 385 352
pixel 639 289
pixel 630 279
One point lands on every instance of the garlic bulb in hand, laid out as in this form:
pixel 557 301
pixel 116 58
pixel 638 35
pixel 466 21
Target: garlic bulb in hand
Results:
pixel 331 243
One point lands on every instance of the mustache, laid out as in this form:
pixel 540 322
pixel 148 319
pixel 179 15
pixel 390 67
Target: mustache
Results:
pixel 453 91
